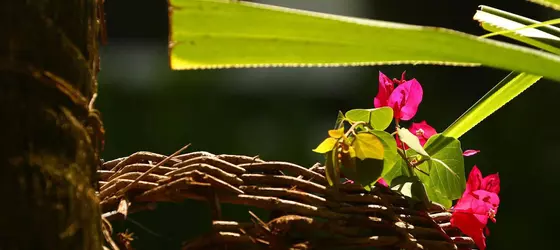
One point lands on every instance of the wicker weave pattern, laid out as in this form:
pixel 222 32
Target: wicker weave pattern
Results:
pixel 305 213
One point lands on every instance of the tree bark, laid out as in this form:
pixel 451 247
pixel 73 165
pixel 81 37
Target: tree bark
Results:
pixel 50 138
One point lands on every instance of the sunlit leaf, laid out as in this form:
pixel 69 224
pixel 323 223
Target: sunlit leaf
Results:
pixel 223 34
pixel 403 185
pixel 435 196
pixel 398 169
pixel 530 41
pixel 358 115
pixel 412 141
pixel 336 133
pixel 539 34
pixel 332 169
pixel 519 24
pixel 555 4
pixel 339 120
pixel 381 118
pixel 536 24
pixel 368 146
pixel 390 149
pixel 438 143
pixel 412 187
pixel 442 163
pixel 326 146
pixel 378 118
pixel 442 184
pixel 510 87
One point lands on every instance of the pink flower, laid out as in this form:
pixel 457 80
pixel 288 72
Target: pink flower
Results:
pixel 382 182
pixel 470 152
pixel 422 130
pixel 386 87
pixel 404 100
pixel 478 204
pixel 402 80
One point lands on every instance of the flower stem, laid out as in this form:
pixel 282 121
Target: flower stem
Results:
pixel 351 129
pixel 410 168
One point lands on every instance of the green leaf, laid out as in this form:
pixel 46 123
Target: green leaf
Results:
pixel 442 163
pixel 443 184
pixel 412 187
pixel 223 34
pixel 403 185
pixel 435 196
pixel 506 90
pixel 326 146
pixel 368 146
pixel 358 115
pixel 419 192
pixel 390 149
pixel 539 34
pixel 336 133
pixel 332 170
pixel 555 4
pixel 368 171
pixel 438 143
pixel 412 141
pixel 524 39
pixel 398 169
pixel 339 120
pixel 522 25
pixel 378 118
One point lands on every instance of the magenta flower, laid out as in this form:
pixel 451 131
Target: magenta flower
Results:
pixel 422 130
pixel 404 99
pixel 478 204
pixel 386 87
pixel 382 182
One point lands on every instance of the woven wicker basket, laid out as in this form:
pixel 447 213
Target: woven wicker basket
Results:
pixel 305 212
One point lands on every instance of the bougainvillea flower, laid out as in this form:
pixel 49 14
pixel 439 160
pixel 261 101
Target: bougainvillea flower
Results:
pixel 402 80
pixel 405 100
pixel 479 203
pixel 386 87
pixel 470 152
pixel 382 182
pixel 422 130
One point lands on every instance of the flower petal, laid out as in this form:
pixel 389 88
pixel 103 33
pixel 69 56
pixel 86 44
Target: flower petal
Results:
pixel 382 182
pixel 423 131
pixel 405 99
pixel 470 152
pixel 467 223
pixel 386 87
pixel 491 200
pixel 474 181
pixel 403 76
pixel 491 183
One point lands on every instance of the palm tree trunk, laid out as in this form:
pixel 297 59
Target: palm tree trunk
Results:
pixel 49 138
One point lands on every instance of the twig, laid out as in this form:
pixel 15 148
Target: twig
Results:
pixel 107 231
pixel 124 190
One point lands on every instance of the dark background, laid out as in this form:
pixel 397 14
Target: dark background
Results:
pixel 281 114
